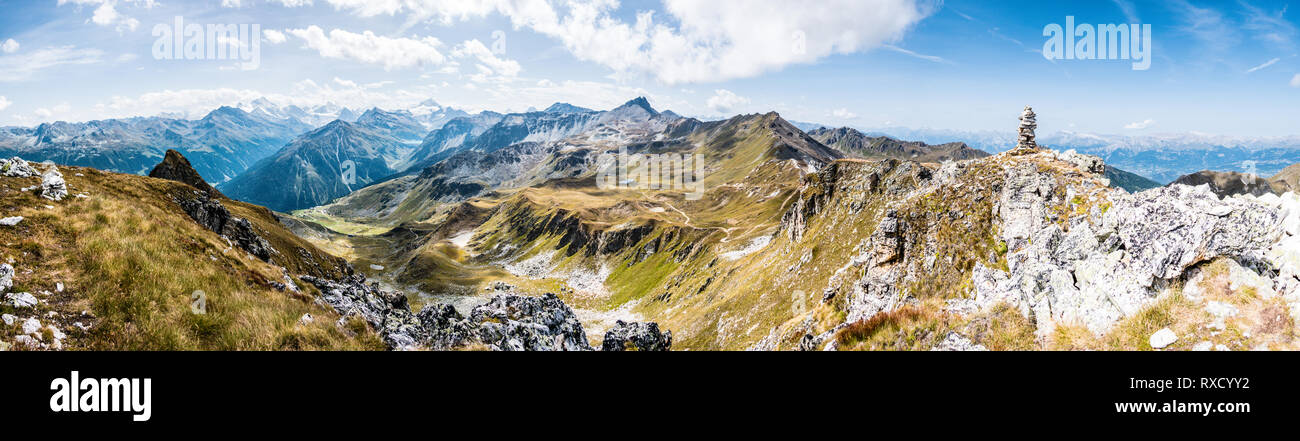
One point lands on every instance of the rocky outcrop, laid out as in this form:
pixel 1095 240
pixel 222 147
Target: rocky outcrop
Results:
pixel 636 337
pixel 204 206
pixel 507 322
pixel 209 213
pixel 174 167
pixel 1037 230
pixel 17 168
pixel 519 323
pixel 1098 268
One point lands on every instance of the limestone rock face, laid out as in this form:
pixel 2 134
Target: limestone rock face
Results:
pixel 1168 229
pixel 1024 201
pixel 1110 266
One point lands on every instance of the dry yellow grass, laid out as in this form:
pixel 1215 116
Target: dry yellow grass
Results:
pixel 135 261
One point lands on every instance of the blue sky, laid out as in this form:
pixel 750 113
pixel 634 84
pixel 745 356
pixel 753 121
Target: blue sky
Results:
pixel 1221 67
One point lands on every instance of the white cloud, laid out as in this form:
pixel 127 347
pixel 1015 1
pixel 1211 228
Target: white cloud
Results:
pixel 843 113
pixel 487 60
pixel 9 46
pixel 5 103
pixel 231 3
pixel 106 13
pixel 392 53
pixel 21 67
pixel 1295 81
pixel 723 101
pixel 274 37
pixel 1140 124
pixel 700 41
pixel 1266 64
pixel 54 112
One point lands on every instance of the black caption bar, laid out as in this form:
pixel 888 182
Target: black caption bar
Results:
pixel 289 390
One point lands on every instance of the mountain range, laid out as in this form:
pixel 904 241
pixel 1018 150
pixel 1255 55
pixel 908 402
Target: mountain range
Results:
pixel 221 145
pixel 497 231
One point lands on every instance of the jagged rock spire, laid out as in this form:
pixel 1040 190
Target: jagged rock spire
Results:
pixel 1028 123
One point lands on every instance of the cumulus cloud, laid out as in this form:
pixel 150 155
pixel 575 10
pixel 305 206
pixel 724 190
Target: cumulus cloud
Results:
pixel 392 53
pixel 9 46
pixel 1295 81
pixel 489 62
pixel 53 112
pixel 5 103
pixel 699 41
pixel 1140 124
pixel 843 113
pixel 105 12
pixel 23 66
pixel 724 100
pixel 274 37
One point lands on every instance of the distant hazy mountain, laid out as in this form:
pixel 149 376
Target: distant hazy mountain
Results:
pixel 399 124
pixel 433 115
pixel 566 108
pixel 220 145
pixel 442 142
pixel 488 131
pixel 860 145
pixel 321 165
pixel 314 116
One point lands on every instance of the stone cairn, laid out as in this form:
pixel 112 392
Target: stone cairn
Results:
pixel 1028 123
